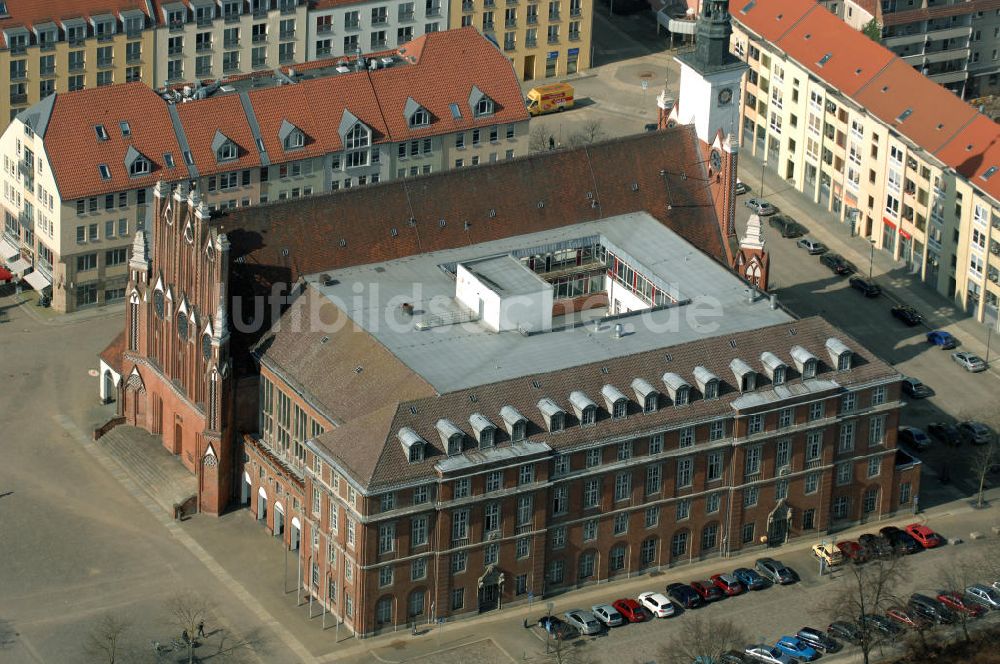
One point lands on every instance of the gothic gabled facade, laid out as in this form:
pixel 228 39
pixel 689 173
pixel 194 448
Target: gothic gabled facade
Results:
pixel 176 355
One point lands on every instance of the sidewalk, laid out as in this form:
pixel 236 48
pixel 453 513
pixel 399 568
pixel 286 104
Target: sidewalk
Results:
pixel 939 312
pixel 27 301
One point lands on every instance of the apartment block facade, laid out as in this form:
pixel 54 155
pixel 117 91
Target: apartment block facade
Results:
pixel 80 167
pixel 339 28
pixel 902 160
pixel 955 44
pixel 543 39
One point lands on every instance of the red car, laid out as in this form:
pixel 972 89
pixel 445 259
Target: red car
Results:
pixel 924 535
pixel 707 590
pixel 956 602
pixel 728 584
pixel 630 609
pixel 853 551
pixel 905 618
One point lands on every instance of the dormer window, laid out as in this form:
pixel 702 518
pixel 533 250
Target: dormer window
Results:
pixel 225 149
pixel 480 104
pixel 585 409
pixel 139 167
pixel 805 362
pixel 840 354
pixel 555 417
pixel 416 115
pixel 616 402
pixel 588 416
pixel 451 436
pixel 707 381
pixel 778 377
pixel 484 107
pixel 516 423
pixel 484 429
pixel 682 396
pixel 677 388
pixel 776 370
pixel 746 377
pixel 413 445
pixel 646 394
pixel 291 137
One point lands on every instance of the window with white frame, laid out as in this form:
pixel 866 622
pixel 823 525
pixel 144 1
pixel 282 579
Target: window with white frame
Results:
pixel 816 410
pixel 526 474
pixel 656 443
pixel 811 483
pixel 755 424
pixel 750 496
pixel 782 453
pixel 845 473
pixel 785 417
pixel 525 510
pixel 418 531
pixel 491 517
pixel 654 479
pixel 684 467
pixel 848 402
pixel 878 395
pixel 841 507
pixel 752 465
pixel 621 523
pixel 590 530
pixel 714 466
pixel 594 457
pixel 557 537
pixel 814 445
pixel 623 486
pixel 686 437
pixel 459 524
pixel 876 430
pixel 683 509
pixel 713 501
pixel 386 537
pixel 874 466
pixel 560 500
pixel 592 493
pixel 717 430
pixel 625 450
pixel 459 562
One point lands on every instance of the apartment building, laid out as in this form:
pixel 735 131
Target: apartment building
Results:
pixel 337 28
pixel 209 39
pixel 79 168
pixel 543 39
pixel 501 465
pixel 66 45
pixel 857 129
pixel 956 44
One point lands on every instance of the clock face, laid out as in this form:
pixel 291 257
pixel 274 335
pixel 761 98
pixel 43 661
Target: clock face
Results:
pixel 715 161
pixel 725 96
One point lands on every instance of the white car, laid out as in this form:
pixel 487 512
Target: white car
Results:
pixel 607 614
pixel 657 603
pixel 583 621
pixel 969 361
pixel 984 595
pixel 769 654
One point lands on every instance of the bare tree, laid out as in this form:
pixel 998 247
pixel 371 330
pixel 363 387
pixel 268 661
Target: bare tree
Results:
pixel 592 131
pixel 188 610
pixel 538 139
pixel 982 461
pixel 253 642
pixel 567 651
pixel 866 590
pixel 106 641
pixel 704 640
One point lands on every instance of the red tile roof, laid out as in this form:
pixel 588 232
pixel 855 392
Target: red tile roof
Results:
pixel 445 66
pixel 75 152
pixel 26 13
pixel 770 19
pixel 112 355
pixel 973 151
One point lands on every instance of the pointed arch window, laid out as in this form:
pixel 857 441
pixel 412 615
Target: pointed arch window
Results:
pixel 206 346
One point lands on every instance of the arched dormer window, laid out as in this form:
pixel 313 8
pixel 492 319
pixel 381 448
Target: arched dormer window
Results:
pixel 291 137
pixel 357 137
pixel 182 326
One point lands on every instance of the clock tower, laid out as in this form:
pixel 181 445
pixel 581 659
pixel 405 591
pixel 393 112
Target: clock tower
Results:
pixel 710 77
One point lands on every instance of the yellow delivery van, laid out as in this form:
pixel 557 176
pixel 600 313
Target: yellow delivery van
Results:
pixel 549 98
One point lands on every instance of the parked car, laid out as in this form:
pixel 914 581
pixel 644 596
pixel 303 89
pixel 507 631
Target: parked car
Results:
pixel 732 657
pixel 650 126
pixel 907 619
pixel 707 591
pixel 947 434
pixel 899 540
pixel 844 631
pixel 828 552
pixel 797 648
pixel 728 584
pixel 775 571
pixel 853 551
pixel 913 437
pixel 818 639
pixel 865 287
pixel 974 432
pixel 969 361
pixel 760 207
pixel 741 187
pixel 768 654
pixel 875 546
pixel 786 226
pixel 941 338
pixel 812 246
pixel 959 604
pixel 931 609
pixel 684 595
pixel 750 579
pixel 916 389
pixel 556 628
pixel 657 603
pixel 926 537
pixel 629 609
pixel 907 314
pixel 837 263
pixel 983 595
pixel 583 621
pixel 879 625
pixel 607 614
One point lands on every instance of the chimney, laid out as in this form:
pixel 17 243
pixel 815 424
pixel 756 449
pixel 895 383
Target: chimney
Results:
pixel 619 328
pixel 774 301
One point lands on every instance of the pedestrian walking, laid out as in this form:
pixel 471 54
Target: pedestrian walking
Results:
pixel 184 637
pixel 201 628
pixel 552 143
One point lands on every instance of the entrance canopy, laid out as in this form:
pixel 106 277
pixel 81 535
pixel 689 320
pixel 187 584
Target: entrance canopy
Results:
pixel 37 280
pixel 8 250
pixel 18 265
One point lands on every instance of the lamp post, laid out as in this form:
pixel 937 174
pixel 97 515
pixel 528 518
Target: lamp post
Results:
pixel 871 259
pixel 763 165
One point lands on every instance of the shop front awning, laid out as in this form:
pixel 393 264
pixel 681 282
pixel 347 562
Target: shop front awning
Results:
pixel 18 265
pixel 8 250
pixel 37 280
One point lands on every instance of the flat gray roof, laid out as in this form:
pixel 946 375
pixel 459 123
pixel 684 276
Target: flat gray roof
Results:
pixel 712 300
pixel 506 276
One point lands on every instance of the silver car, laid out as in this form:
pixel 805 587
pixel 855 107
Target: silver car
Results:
pixel 583 621
pixel 768 654
pixel 607 614
pixel 983 595
pixel 760 206
pixel 969 361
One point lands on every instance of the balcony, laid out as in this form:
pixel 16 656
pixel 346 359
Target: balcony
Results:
pixel 259 12
pixel 287 34
pixel 553 39
pixel 105 63
pixel 172 50
pixel 509 45
pixel 80 40
pixel 287 8
pixel 575 11
pixel 259 38
pixel 433 11
pixel 352 25
pixel 553 16
pixel 18 98
pixel 131 33
pixel 532 19
pixel 47 46
pixel 380 20
pixel 286 58
pixel 105 37
pixel 379 44
pixel 574 36
pixel 47 71
pixel 203 72
pixel 510 23
pixel 259 63
pixel 230 67
pixel 326 28
pixel 176 26
pixel 323 51
pixel 231 18
pixel 408 16
pixel 530 42
pixel 19 75
pixel 18 49
pixel 133 58
pixel 231 43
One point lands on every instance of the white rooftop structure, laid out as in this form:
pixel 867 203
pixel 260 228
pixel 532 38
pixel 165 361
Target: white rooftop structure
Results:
pixel 448 342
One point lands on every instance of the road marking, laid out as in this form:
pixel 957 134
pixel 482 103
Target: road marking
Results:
pixel 241 593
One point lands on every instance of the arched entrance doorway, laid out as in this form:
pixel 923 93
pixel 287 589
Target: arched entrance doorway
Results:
pixel 279 519
pixel 246 489
pixel 296 533
pixel 490 589
pixel 262 505
pixel 778 523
